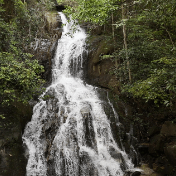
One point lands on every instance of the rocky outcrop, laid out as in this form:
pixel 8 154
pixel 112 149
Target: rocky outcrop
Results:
pixel 88 127
pixel 44 48
pixel 98 68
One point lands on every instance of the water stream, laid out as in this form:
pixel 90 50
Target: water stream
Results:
pixel 70 134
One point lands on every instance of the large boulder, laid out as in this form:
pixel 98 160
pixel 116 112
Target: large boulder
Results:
pixel 153 131
pixel 162 166
pixel 99 63
pixel 170 152
pixel 168 129
pixel 156 145
pixel 88 126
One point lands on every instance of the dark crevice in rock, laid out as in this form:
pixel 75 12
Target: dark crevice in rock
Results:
pixel 60 8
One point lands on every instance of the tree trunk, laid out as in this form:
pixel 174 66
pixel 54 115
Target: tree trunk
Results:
pixel 124 16
pixel 113 31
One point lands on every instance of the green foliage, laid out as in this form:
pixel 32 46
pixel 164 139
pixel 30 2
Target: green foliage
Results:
pixel 160 86
pixel 20 74
pixel 95 11
pixel 2 117
pixel 151 50
pixel 19 79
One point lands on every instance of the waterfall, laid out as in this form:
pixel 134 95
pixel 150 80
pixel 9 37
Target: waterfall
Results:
pixel 70 134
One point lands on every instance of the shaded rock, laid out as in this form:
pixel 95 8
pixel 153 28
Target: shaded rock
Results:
pixel 162 166
pixel 136 173
pixel 132 173
pixel 168 129
pixel 170 152
pixel 98 68
pixel 156 174
pixel 143 147
pixel 43 48
pixel 153 130
pixel 157 144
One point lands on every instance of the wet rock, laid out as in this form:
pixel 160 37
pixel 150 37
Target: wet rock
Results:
pixel 60 88
pixel 88 127
pixel 50 93
pixel 168 129
pixel 62 110
pixel 52 105
pixel 85 111
pixel 116 155
pixel 87 167
pixel 32 103
pixel 51 101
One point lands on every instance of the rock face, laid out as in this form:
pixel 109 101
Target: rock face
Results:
pixel 88 127
pixel 12 160
pixel 98 68
pixel 163 148
pixel 44 48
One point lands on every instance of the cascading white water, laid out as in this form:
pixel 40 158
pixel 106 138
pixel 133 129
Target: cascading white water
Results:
pixel 70 134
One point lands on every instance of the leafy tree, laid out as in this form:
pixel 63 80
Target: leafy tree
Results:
pixel 19 80
pixel 95 11
pixel 152 52
pixel 20 74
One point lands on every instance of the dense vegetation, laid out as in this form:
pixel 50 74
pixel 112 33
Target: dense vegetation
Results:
pixel 20 23
pixel 144 43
